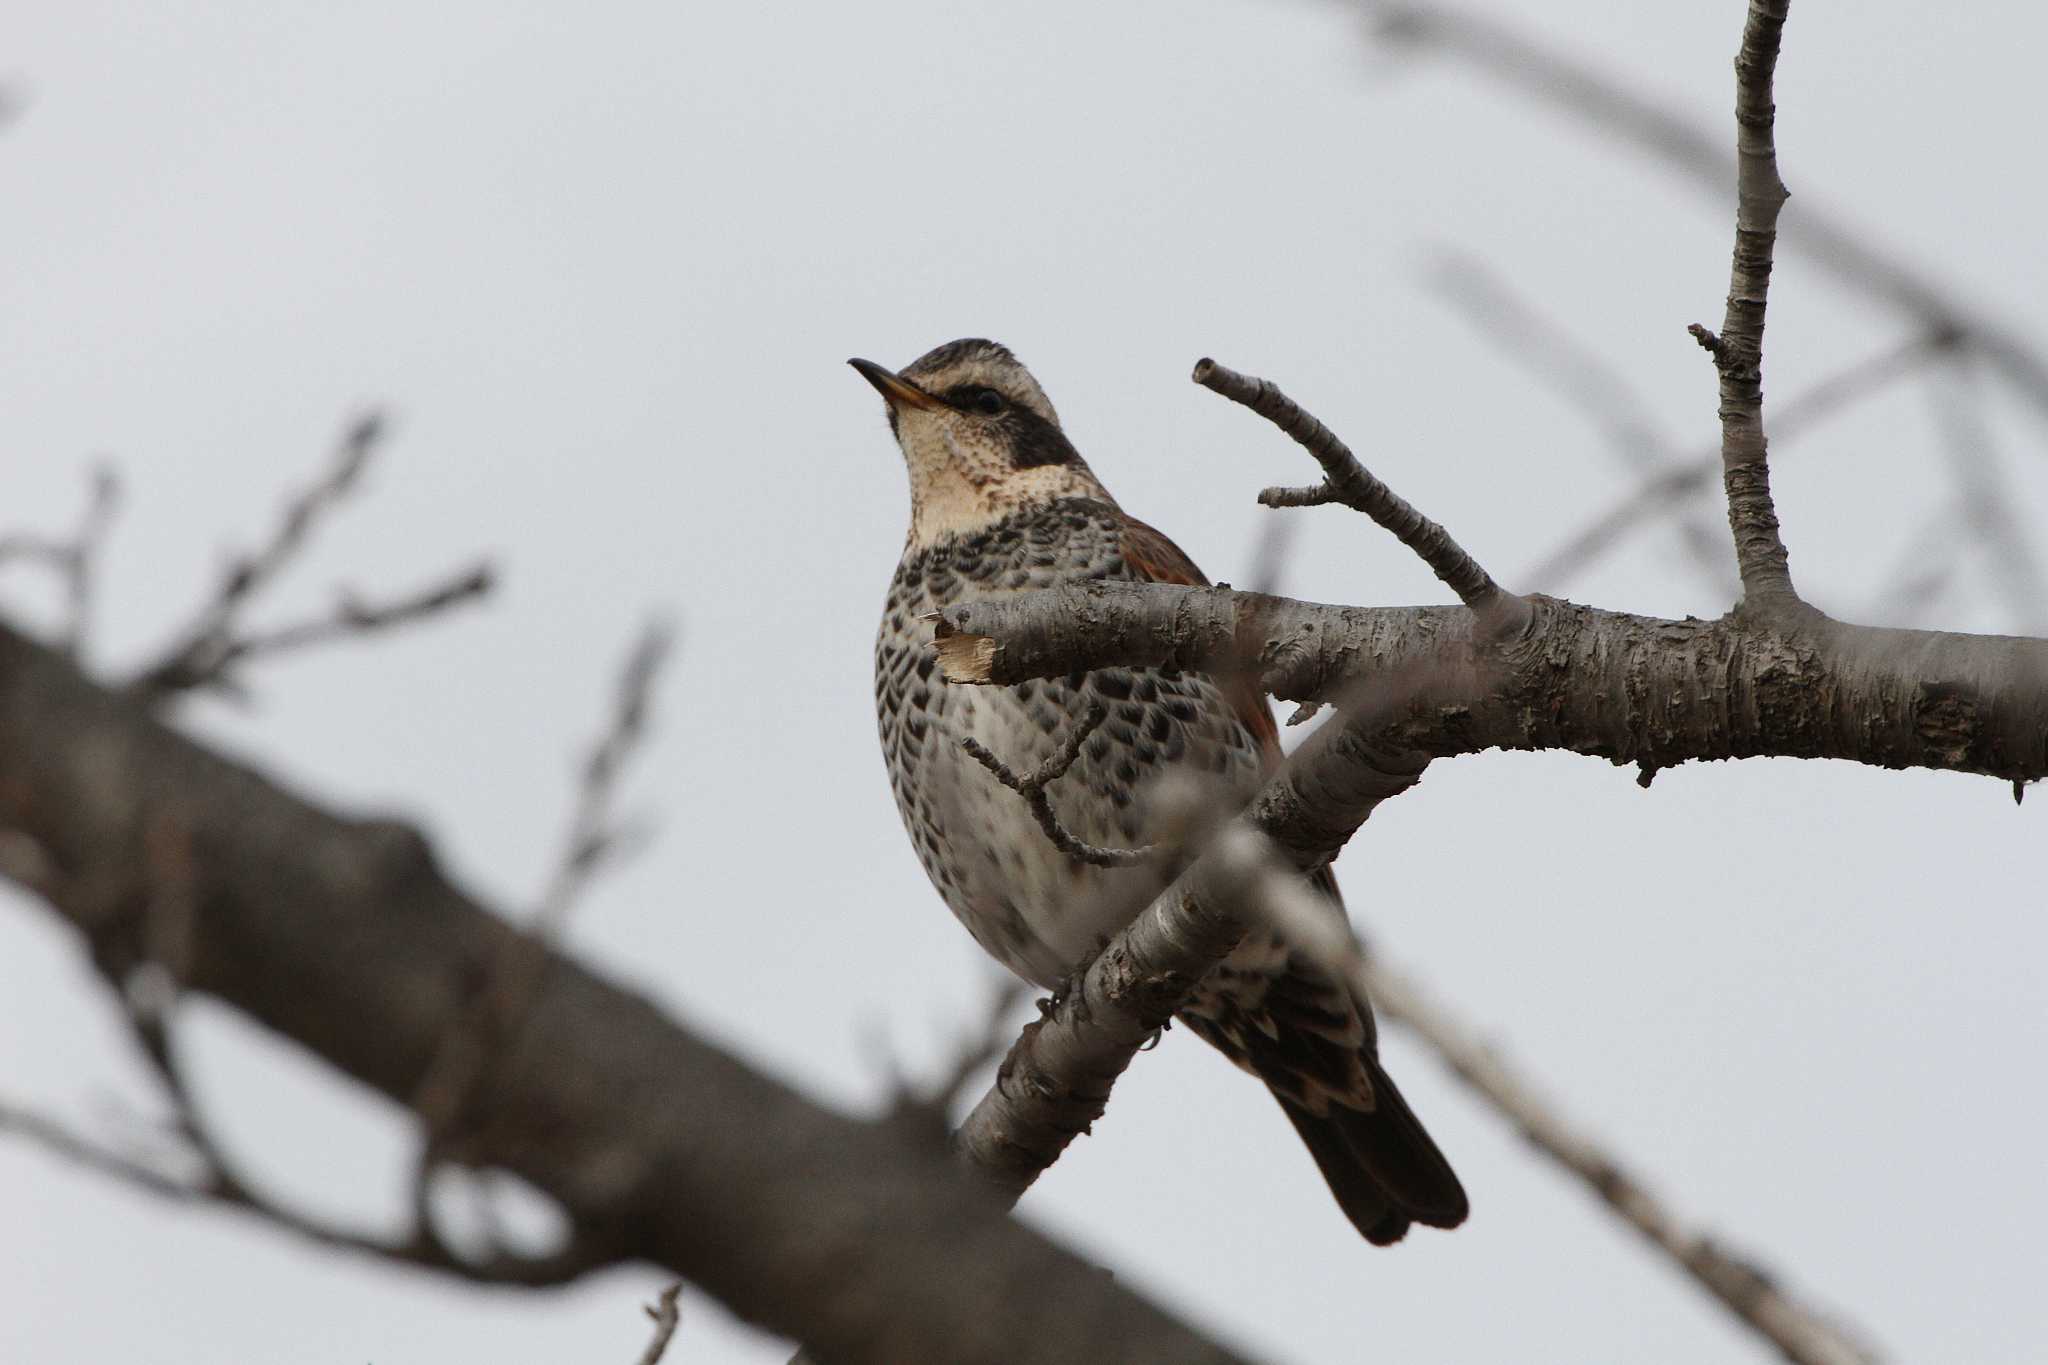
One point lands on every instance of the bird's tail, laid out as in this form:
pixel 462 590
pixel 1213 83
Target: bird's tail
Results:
pixel 1381 1164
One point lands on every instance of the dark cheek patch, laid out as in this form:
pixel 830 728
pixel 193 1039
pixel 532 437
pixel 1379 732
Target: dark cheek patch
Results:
pixel 1036 442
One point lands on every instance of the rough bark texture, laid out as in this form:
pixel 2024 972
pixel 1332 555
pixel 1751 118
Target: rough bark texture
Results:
pixel 1630 689
pixel 863 1239
pixel 1739 350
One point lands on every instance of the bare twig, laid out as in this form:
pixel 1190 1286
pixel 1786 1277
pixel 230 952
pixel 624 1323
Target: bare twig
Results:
pixel 1269 890
pixel 980 1047
pixel 1032 788
pixel 1987 504
pixel 1669 487
pixel 61 1141
pixel 212 646
pixel 1347 481
pixel 312 924
pixel 451 1080
pixel 193 660
pixel 1738 350
pixel 147 970
pixel 665 1315
pixel 73 559
pixel 1756 1296
pixel 352 616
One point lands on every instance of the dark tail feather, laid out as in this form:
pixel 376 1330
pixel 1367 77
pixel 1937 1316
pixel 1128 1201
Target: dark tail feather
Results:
pixel 1382 1166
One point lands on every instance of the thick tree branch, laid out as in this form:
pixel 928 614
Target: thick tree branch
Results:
pixel 1429 682
pixel 1631 689
pixel 345 936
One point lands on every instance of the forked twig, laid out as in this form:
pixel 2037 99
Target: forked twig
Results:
pixel 1032 787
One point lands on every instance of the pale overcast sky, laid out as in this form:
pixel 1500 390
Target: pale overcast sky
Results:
pixel 603 263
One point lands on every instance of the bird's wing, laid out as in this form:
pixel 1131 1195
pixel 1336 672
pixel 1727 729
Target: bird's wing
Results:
pixel 1156 559
pixel 1280 1018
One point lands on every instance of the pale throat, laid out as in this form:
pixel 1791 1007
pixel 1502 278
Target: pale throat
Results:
pixel 960 486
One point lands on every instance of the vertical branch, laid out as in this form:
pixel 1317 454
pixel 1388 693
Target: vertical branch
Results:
pixel 1739 350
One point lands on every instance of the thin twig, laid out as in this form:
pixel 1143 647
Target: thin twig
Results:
pixel 147 975
pixel 79 1150
pixel 983 1045
pixel 1755 1295
pixel 1738 350
pixel 1987 503
pixel 665 1315
pixel 1269 889
pixel 448 1088
pixel 192 661
pixel 74 560
pixel 1347 481
pixel 1032 788
pixel 352 616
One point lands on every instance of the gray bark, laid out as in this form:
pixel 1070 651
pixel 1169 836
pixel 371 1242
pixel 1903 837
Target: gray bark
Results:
pixel 1630 689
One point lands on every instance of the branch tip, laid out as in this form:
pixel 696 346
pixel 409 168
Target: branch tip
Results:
pixel 1347 481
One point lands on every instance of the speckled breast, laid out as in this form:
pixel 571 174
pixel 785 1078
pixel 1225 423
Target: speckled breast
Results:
pixel 1029 905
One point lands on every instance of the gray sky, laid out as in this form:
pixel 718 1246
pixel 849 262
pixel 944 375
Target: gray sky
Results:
pixel 604 264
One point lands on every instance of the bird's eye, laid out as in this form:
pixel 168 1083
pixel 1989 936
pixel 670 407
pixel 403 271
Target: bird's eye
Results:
pixel 989 403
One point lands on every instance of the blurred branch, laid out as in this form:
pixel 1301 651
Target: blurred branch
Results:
pixel 1055 1081
pixel 1272 893
pixel 74 560
pixel 1987 502
pixel 1668 488
pixel 207 651
pixel 1578 373
pixel 1604 104
pixel 844 1233
pixel 478 1030
pixel 1755 1295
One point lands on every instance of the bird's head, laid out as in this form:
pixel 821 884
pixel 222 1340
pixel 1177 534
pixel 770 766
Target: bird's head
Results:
pixel 980 437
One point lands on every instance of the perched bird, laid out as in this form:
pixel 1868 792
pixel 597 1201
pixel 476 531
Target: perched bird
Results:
pixel 1001 502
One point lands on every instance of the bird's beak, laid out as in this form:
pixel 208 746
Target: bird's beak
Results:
pixel 900 392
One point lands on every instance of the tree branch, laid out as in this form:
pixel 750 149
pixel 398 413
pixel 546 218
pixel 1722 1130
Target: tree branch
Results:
pixel 1056 1080
pixel 1347 481
pixel 1754 1295
pixel 75 560
pixel 1739 349
pixel 345 936
pixel 1271 894
pixel 1630 689
pixel 207 651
